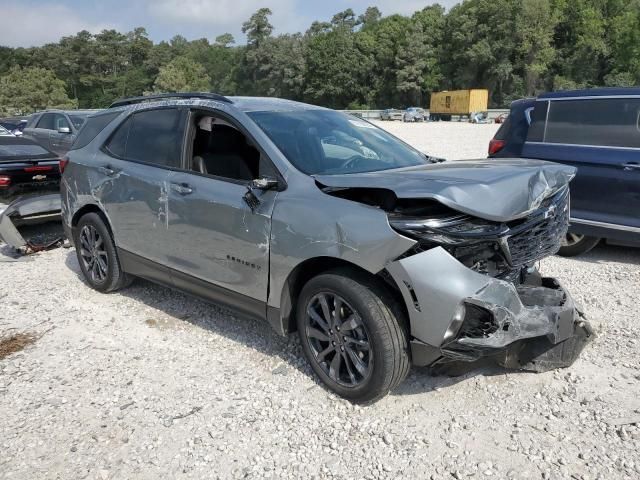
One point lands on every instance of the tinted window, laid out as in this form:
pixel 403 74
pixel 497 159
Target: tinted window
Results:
pixel 93 127
pixel 538 117
pixel 153 136
pixel 502 132
pixel 47 121
pixel 611 122
pixel 78 120
pixel 117 144
pixel 7 151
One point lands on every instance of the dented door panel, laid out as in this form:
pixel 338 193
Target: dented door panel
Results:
pixel 214 236
pixel 135 198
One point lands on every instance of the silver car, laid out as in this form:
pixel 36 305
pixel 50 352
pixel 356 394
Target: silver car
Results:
pixel 414 114
pixel 321 223
pixel 56 130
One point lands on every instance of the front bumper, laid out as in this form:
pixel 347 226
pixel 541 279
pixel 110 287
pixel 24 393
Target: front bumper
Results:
pixel 458 315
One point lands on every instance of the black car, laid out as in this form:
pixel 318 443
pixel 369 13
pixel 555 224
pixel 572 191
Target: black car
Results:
pixel 598 131
pixel 15 125
pixel 24 163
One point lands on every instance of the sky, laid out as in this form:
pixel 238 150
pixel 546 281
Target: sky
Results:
pixel 29 23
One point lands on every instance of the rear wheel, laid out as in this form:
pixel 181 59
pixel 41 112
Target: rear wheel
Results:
pixel 97 255
pixel 575 244
pixel 351 333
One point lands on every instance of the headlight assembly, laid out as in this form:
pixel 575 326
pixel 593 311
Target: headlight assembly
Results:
pixel 456 229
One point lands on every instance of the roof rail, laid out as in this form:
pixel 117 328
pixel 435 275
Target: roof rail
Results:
pixel 160 96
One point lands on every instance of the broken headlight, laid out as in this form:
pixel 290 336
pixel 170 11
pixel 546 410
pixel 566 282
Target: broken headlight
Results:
pixel 454 229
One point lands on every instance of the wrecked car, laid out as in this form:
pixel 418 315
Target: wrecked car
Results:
pixel 318 222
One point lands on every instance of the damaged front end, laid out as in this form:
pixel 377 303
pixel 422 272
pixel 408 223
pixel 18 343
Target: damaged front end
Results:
pixel 471 290
pixel 22 223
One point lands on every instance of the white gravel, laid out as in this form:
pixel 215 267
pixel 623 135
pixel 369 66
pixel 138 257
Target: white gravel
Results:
pixel 151 383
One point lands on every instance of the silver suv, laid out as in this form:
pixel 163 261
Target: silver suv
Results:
pixel 319 222
pixel 56 130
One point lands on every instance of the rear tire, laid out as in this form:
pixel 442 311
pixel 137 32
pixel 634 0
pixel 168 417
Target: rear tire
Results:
pixel 575 244
pixel 97 255
pixel 370 355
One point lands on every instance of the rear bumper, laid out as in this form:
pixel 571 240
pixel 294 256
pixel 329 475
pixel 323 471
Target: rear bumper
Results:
pixel 458 315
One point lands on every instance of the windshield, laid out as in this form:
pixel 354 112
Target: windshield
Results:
pixel 22 150
pixel 5 132
pixel 329 142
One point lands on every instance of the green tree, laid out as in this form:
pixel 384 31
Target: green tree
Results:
pixel 535 26
pixel 258 27
pixel 182 75
pixel 26 90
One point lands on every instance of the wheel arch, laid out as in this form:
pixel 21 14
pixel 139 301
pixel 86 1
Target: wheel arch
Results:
pixel 91 208
pixel 283 319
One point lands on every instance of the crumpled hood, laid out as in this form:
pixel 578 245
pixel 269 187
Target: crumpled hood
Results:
pixel 494 189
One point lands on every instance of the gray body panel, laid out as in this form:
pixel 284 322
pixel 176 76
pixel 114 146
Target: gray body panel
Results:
pixel 496 189
pixel 210 235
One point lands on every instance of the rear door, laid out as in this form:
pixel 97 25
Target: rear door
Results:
pixel 601 137
pixel 133 170
pixel 42 128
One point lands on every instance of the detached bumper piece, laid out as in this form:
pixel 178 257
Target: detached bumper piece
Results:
pixel 460 316
pixel 535 327
pixel 27 211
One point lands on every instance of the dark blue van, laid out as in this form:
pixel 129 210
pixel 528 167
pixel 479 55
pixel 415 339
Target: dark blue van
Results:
pixel 598 131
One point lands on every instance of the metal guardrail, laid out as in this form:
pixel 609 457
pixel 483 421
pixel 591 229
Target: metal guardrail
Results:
pixel 375 114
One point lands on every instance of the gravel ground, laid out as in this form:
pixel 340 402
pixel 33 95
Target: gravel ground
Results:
pixel 151 383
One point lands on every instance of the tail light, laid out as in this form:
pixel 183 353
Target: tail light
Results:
pixel 63 164
pixel 38 168
pixel 495 146
pixel 5 181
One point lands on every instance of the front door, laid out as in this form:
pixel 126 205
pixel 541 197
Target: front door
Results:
pixel 217 238
pixel 60 142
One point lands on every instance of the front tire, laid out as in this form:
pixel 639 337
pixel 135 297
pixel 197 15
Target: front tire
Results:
pixel 97 255
pixel 352 335
pixel 575 244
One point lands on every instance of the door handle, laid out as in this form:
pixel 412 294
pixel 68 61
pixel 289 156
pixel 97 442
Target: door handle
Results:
pixel 181 188
pixel 631 166
pixel 107 170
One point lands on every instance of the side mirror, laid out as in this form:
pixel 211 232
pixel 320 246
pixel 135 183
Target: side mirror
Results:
pixel 265 183
pixel 64 130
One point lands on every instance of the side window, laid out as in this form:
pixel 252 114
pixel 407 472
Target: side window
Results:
pixel 92 127
pixel 156 137
pixel 117 144
pixel 221 150
pixel 153 136
pixel 538 118
pixel 610 122
pixel 47 121
pixel 60 121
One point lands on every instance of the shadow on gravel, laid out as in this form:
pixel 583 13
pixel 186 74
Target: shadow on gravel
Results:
pixel 180 307
pixel 259 336
pixel 605 253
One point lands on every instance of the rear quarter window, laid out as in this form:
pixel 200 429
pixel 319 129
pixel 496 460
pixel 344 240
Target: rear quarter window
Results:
pixel 609 122
pixel 538 118
pixel 92 127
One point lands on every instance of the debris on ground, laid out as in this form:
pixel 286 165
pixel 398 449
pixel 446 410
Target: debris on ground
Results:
pixel 11 344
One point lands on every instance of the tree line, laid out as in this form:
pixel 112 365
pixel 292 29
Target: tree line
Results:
pixel 514 48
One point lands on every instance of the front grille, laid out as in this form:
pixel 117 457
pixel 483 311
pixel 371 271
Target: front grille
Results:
pixel 541 234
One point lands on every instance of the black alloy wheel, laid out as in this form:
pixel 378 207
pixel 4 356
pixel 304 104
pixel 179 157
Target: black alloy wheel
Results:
pixel 338 339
